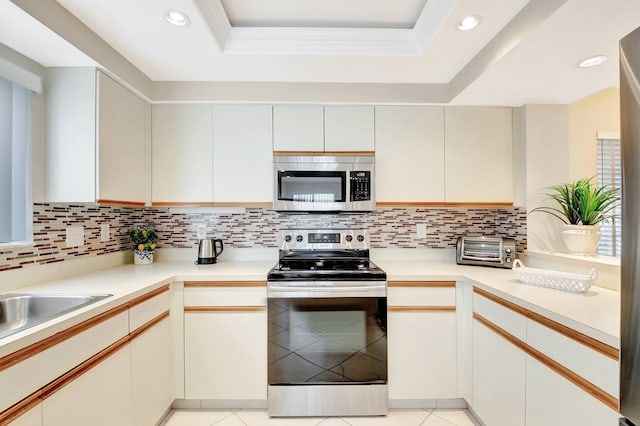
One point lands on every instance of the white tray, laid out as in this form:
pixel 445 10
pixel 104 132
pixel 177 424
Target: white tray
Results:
pixel 577 283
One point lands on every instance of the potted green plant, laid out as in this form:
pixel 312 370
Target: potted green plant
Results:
pixel 143 244
pixel 581 206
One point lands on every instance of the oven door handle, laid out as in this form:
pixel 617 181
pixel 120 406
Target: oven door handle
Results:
pixel 275 291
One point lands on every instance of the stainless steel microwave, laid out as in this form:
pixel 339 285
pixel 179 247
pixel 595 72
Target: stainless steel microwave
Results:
pixel 324 183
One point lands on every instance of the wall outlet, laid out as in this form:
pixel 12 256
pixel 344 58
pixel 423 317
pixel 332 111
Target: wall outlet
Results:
pixel 421 230
pixel 105 233
pixel 75 236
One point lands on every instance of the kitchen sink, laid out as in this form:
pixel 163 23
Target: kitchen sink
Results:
pixel 21 311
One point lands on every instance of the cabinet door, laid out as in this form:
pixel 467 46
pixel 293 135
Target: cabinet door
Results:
pixel 498 379
pixel 409 154
pixel 349 128
pixel 553 400
pixel 33 417
pixel 298 128
pixel 151 374
pixel 100 396
pixel 242 153
pixel 122 143
pixel 226 355
pixel 422 355
pixel 182 153
pixel 478 154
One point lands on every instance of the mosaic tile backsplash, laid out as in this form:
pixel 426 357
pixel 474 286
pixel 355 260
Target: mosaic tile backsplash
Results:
pixel 251 228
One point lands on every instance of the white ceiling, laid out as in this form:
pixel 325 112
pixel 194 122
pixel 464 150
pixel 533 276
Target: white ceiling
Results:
pixel 531 64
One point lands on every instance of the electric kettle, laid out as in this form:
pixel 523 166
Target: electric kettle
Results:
pixel 208 251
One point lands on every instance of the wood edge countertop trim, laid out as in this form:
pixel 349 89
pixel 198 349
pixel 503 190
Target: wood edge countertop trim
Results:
pixel 417 204
pixel 421 308
pixel 426 284
pixel 590 342
pixel 21 407
pixel 149 295
pixel 217 309
pixel 321 153
pixel 119 203
pixel 593 390
pixel 194 284
pixel 252 204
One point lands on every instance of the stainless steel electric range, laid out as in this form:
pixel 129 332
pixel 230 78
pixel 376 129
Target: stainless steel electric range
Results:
pixel 327 326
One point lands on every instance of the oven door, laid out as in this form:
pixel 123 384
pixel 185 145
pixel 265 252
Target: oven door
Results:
pixel 327 352
pixel 311 187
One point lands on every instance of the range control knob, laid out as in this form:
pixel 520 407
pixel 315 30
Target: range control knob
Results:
pixel 288 238
pixel 299 238
pixel 360 238
pixel 349 238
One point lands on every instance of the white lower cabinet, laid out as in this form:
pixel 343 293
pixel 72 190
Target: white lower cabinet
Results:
pixel 422 355
pixel 33 417
pixel 151 374
pixel 553 400
pixel 226 355
pixel 498 379
pixel 100 396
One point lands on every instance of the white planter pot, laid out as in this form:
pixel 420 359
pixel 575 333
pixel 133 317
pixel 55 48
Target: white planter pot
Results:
pixel 581 239
pixel 142 257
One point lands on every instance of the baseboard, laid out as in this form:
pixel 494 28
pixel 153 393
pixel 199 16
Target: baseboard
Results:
pixel 220 404
pixel 451 403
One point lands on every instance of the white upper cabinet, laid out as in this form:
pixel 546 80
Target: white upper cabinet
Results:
pixel 96 139
pixel 122 143
pixel 319 129
pixel 409 154
pixel 349 128
pixel 242 154
pixel 478 155
pixel 298 128
pixel 182 153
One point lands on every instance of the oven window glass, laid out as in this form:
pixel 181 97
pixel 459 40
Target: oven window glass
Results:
pixel 312 186
pixel 324 341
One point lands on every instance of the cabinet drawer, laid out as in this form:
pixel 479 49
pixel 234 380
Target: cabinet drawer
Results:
pixel 32 373
pixel 225 294
pixel 509 320
pixel 588 363
pixel 422 296
pixel 148 307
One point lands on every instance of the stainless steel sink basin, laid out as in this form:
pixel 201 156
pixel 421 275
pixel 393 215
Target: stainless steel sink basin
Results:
pixel 21 311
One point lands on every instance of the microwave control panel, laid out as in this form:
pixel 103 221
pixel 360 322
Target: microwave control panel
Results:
pixel 360 185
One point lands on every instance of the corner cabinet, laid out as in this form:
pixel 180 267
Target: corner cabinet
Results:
pixel 422 338
pixel 96 139
pixel 225 342
pixel 409 155
pixel 478 156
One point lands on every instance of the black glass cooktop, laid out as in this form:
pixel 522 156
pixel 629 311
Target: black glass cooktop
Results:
pixel 323 266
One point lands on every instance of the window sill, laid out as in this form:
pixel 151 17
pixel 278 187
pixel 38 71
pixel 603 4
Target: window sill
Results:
pixel 15 245
pixel 587 260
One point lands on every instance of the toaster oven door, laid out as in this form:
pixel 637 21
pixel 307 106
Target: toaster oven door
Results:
pixel 484 249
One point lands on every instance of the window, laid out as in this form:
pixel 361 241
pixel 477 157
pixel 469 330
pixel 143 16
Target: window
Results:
pixel 15 163
pixel 610 173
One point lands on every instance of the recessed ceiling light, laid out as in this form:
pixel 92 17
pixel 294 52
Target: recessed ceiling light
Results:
pixel 592 61
pixel 177 18
pixel 468 23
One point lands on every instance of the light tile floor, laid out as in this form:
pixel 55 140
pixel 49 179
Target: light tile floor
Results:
pixel 424 417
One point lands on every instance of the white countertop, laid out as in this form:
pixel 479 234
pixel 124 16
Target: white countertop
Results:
pixel 595 313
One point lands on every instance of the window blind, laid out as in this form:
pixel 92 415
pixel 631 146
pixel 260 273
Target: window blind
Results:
pixel 610 174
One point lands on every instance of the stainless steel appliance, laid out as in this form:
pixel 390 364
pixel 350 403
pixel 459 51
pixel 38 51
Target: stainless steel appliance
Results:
pixel 208 251
pixel 320 183
pixel 630 260
pixel 486 251
pixel 327 311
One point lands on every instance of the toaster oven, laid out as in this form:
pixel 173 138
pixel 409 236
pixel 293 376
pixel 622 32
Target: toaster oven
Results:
pixel 486 251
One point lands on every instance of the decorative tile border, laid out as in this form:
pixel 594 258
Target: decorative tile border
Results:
pixel 253 228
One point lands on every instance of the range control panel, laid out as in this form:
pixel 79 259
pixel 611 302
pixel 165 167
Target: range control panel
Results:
pixel 323 239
